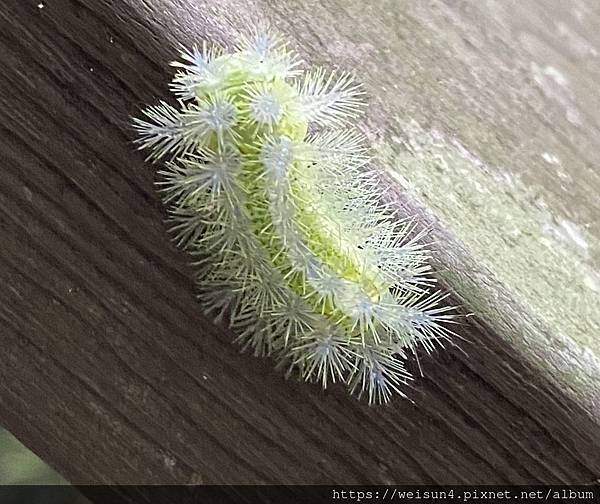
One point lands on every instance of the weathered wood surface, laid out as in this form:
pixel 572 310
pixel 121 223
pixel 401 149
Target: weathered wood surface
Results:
pixel 109 371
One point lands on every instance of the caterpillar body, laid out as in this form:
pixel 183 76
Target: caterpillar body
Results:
pixel 268 184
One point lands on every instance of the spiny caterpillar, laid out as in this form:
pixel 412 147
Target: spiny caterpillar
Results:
pixel 268 185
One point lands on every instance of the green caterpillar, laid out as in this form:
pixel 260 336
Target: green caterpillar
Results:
pixel 269 186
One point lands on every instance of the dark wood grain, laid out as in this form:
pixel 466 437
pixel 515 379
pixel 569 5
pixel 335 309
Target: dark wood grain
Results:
pixel 110 372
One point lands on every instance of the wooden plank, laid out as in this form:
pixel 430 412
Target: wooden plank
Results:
pixel 109 371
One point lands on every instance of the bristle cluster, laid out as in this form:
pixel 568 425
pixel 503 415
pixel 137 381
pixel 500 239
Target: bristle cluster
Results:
pixel 269 187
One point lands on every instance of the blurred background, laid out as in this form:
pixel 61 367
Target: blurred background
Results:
pixel 19 467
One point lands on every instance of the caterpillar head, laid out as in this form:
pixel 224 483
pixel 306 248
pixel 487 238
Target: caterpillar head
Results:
pixel 268 185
